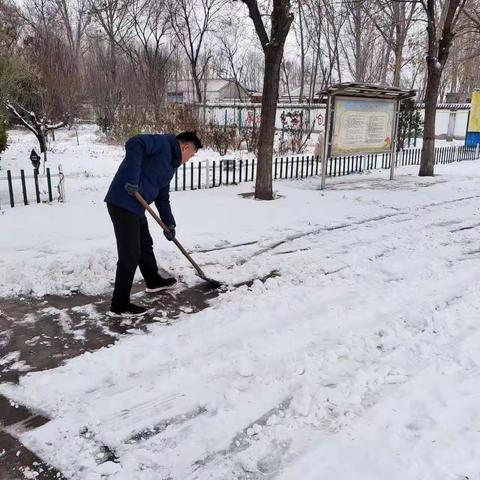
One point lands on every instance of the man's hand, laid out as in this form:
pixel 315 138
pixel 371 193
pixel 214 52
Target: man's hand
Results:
pixel 170 233
pixel 131 189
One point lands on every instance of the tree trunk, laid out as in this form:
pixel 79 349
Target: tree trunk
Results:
pixel 273 46
pixel 113 66
pixel 42 142
pixel 271 80
pixel 398 66
pixel 438 50
pixel 313 77
pixel 302 52
pixel 454 82
pixel 236 79
pixel 196 82
pixel 385 64
pixel 287 82
pixel 399 20
pixel 428 149
pixel 359 70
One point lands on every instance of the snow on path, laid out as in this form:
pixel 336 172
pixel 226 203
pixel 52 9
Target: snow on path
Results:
pixel 359 361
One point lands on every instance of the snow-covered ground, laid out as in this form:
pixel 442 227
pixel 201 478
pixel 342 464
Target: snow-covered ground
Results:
pixel 360 360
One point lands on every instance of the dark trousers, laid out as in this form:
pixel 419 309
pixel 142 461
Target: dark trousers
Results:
pixel 135 249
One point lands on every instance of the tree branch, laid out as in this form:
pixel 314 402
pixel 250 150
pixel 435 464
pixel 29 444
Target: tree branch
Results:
pixel 256 17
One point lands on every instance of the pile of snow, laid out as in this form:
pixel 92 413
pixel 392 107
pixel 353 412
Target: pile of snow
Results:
pixel 60 248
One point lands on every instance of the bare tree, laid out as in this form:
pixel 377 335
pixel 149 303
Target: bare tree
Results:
pixel 191 21
pixel 299 28
pixel 462 69
pixel 466 75
pixel 273 44
pixel 442 22
pixel 287 68
pixel 359 42
pixel 313 23
pixel 335 19
pixel 417 72
pixel 111 18
pixel 393 20
pixel 231 61
pixel 150 49
pixel 10 27
pixel 75 17
pixel 46 48
pixel 38 126
pixel 325 21
pixel 252 74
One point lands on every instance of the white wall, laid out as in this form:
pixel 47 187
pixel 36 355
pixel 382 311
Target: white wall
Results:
pixel 441 123
pixel 216 113
pixel 244 114
pixel 461 123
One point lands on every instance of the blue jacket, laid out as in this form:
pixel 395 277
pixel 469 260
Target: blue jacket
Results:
pixel 150 162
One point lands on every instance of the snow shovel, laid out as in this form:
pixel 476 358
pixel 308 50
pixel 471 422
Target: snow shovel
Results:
pixel 146 206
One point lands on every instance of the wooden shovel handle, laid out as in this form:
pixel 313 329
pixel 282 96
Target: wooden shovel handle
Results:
pixel 150 210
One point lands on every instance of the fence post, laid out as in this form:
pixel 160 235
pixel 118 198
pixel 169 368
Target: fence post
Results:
pixel 37 190
pixel 207 174
pixel 476 152
pixel 49 184
pixel 10 188
pixel 456 153
pixel 24 187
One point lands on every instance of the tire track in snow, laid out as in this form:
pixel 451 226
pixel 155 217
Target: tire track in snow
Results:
pixel 419 209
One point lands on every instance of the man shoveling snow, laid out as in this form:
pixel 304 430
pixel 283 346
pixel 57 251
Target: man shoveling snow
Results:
pixel 148 167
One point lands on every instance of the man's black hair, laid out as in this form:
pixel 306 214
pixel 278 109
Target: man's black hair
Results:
pixel 190 137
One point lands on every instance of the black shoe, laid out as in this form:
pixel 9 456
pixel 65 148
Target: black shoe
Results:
pixel 130 309
pixel 161 284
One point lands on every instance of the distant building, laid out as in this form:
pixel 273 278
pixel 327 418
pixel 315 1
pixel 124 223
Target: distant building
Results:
pixel 217 90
